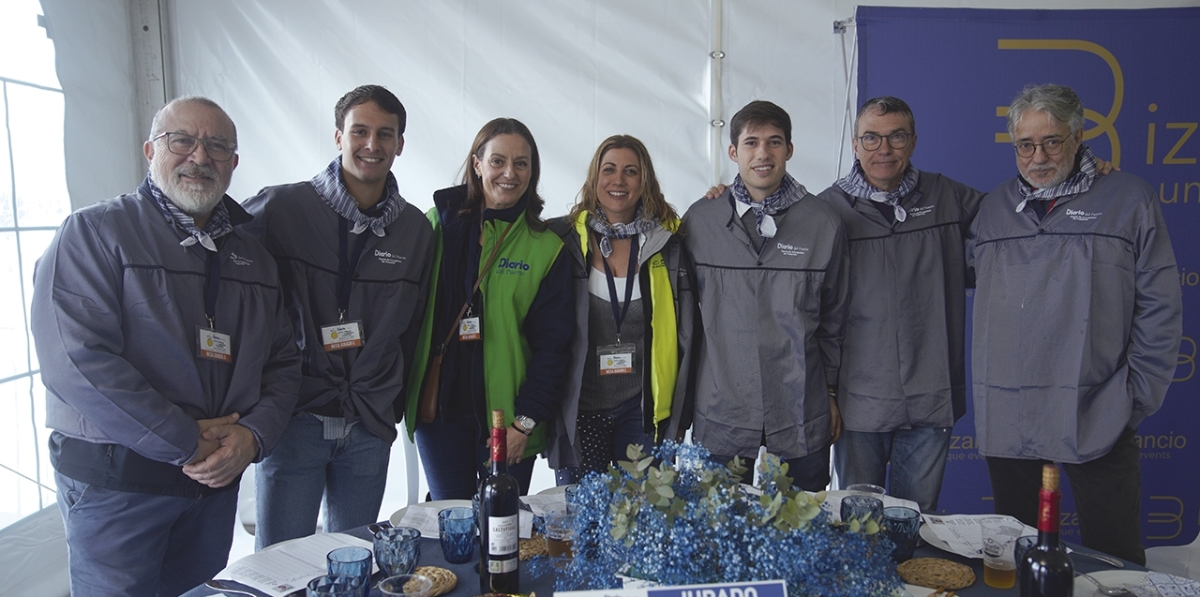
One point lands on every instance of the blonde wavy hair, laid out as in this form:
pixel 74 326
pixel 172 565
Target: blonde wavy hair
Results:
pixel 654 204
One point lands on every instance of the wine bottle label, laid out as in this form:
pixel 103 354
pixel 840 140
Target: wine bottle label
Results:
pixel 499 444
pixel 502 535
pixel 499 566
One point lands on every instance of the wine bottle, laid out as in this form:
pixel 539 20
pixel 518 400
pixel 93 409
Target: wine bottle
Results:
pixel 498 535
pixel 1045 570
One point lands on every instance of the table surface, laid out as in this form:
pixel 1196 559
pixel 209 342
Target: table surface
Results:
pixel 468 578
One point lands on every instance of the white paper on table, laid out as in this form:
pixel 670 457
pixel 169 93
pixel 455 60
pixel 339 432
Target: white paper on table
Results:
pixel 287 567
pixel 543 503
pixel 963 533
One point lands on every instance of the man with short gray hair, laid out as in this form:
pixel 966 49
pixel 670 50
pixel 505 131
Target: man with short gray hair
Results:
pixel 168 362
pixel 1077 323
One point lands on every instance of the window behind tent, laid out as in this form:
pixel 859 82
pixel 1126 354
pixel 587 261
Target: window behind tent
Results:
pixel 33 202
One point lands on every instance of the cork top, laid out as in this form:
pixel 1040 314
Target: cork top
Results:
pixel 1050 477
pixel 498 423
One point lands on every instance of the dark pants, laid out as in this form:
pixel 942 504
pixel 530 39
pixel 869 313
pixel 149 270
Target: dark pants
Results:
pixel 1107 496
pixel 604 438
pixel 454 455
pixel 810 473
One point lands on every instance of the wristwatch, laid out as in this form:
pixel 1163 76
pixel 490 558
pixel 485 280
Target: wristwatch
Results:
pixel 524 424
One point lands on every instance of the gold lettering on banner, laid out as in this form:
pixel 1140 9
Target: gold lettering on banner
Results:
pixel 1188 129
pixel 1170 518
pixel 1104 123
pixel 1187 356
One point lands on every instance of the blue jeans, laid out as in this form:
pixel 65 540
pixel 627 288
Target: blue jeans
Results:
pixel 810 472
pixel 122 543
pixel 454 457
pixel 350 473
pixel 917 457
pixel 604 436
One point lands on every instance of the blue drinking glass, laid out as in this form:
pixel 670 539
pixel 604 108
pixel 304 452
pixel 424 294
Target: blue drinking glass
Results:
pixel 456 530
pixel 397 550
pixel 353 562
pixel 901 526
pixel 861 507
pixel 335 585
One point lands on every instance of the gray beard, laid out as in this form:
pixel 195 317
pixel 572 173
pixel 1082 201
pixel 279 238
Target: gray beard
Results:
pixel 193 200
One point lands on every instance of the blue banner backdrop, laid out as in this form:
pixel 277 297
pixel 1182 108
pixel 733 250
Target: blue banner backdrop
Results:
pixel 1135 71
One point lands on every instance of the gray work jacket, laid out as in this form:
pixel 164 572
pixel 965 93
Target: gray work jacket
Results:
pixel 1077 319
pixel 903 359
pixel 772 327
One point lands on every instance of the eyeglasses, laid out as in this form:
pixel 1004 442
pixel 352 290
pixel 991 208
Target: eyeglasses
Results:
pixel 871 141
pixel 184 144
pixel 1049 147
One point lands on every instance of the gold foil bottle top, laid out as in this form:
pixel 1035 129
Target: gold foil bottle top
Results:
pixel 1050 477
pixel 498 423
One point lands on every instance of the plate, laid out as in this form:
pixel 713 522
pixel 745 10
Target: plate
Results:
pixel 933 540
pixel 553 490
pixel 917 591
pixel 1112 578
pixel 429 515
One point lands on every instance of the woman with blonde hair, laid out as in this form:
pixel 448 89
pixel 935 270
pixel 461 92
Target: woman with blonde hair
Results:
pixel 627 383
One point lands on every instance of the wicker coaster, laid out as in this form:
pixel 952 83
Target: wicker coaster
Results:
pixel 532 547
pixel 936 573
pixel 444 580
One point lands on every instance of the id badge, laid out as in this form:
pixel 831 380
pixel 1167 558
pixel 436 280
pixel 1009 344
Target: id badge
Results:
pixel 470 329
pixel 616 359
pixel 214 345
pixel 340 336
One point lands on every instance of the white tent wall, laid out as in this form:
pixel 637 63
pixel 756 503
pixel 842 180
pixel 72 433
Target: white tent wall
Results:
pixel 575 72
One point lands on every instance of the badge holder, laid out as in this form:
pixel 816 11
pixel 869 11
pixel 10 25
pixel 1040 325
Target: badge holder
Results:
pixel 616 359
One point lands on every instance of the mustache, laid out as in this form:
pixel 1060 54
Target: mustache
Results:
pixel 196 171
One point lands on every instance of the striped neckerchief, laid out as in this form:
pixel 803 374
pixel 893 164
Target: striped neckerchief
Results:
pixel 856 185
pixel 218 222
pixel 788 193
pixel 598 222
pixel 1078 182
pixel 329 185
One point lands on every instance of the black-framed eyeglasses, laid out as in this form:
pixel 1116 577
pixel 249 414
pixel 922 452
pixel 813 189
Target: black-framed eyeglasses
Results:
pixel 1049 147
pixel 184 144
pixel 871 141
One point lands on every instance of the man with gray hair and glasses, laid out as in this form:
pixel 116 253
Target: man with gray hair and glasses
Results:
pixel 1077 323
pixel 168 363
pixel 902 383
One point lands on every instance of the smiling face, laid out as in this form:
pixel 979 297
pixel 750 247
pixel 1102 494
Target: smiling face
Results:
pixel 195 183
pixel 369 142
pixel 884 167
pixel 619 185
pixel 504 169
pixel 761 153
pixel 1041 170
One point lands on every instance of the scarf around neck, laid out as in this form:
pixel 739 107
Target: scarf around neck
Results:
pixel 788 193
pixel 856 185
pixel 218 222
pixel 598 222
pixel 1078 182
pixel 329 185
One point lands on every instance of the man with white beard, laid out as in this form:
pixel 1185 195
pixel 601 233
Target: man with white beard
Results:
pixel 168 364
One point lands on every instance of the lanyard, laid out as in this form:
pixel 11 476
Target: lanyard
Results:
pixel 347 264
pixel 619 313
pixel 212 286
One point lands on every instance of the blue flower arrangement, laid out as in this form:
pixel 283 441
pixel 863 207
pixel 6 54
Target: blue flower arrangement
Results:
pixel 677 518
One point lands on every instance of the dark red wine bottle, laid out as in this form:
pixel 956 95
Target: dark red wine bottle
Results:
pixel 500 518
pixel 1045 570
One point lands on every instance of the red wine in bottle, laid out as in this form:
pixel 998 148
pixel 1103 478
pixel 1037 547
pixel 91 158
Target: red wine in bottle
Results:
pixel 498 512
pixel 1046 571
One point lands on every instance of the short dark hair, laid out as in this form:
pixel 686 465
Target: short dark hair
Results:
pixel 886 104
pixel 758 113
pixel 383 98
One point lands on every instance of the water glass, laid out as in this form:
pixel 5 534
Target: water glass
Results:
pixel 406 585
pixel 571 491
pixel 861 507
pixel 335 585
pixel 456 530
pixel 1022 547
pixel 558 528
pixel 902 526
pixel 867 489
pixel 397 550
pixel 353 562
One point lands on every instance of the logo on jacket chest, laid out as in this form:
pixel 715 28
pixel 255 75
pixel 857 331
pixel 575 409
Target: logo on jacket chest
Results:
pixel 507 266
pixel 791 250
pixel 1083 216
pixel 921 210
pixel 389 258
pixel 236 259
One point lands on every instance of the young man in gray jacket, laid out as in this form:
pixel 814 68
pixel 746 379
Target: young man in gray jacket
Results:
pixel 355 261
pixel 770 271
pixel 1077 323
pixel 168 362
